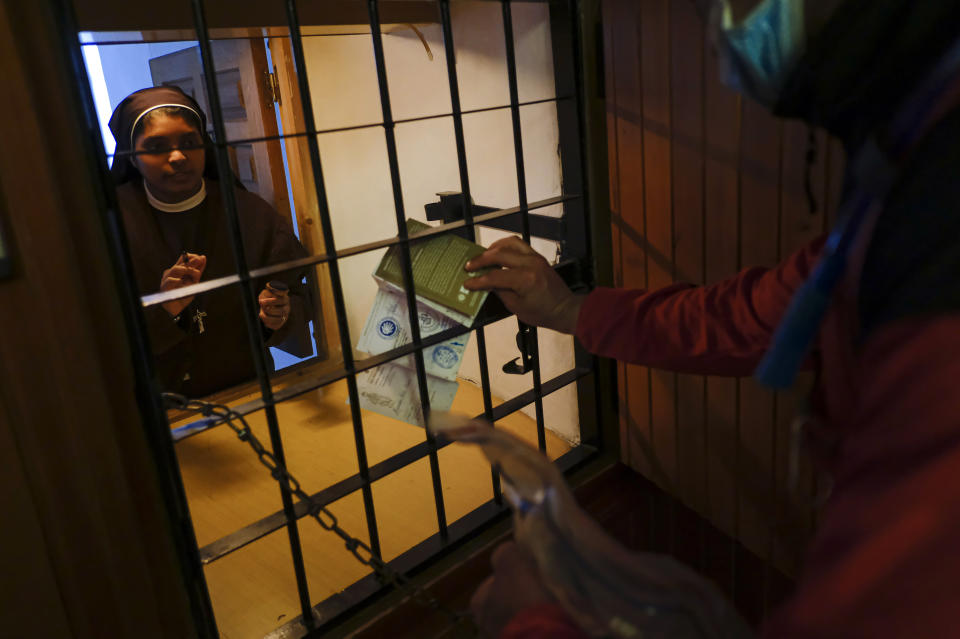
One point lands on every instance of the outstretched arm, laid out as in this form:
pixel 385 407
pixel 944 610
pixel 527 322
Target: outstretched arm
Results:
pixel 721 329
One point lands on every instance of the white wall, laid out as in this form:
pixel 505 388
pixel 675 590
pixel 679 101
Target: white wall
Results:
pixel 126 67
pixel 344 90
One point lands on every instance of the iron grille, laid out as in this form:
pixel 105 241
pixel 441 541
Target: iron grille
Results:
pixel 578 267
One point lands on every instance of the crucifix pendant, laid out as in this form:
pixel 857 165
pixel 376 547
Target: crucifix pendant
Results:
pixel 198 316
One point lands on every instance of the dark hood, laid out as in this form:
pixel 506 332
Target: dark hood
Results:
pixel 864 61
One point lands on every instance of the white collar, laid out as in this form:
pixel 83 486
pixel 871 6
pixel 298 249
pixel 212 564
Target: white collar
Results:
pixel 177 207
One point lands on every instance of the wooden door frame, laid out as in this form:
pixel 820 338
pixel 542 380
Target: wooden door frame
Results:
pixel 306 208
pixel 124 15
pixel 110 535
pixel 114 541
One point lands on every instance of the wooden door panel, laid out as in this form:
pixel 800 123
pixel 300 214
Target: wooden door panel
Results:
pixel 704 183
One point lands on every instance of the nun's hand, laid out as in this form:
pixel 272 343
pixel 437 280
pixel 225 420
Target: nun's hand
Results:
pixel 274 307
pixel 186 271
pixel 527 284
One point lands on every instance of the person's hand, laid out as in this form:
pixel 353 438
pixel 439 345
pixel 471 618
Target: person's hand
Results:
pixel 274 307
pixel 514 585
pixel 186 271
pixel 527 284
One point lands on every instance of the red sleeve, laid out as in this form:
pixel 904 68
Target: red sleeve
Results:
pixel 546 621
pixel 721 329
pixel 886 559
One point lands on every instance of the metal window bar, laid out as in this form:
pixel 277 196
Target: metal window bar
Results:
pixel 243 536
pixel 249 297
pixel 405 261
pixel 579 159
pixel 457 113
pixel 288 515
pixel 355 127
pixel 568 50
pixel 528 334
pixel 413 560
pixel 306 103
pixel 319 379
pixel 204 287
pixel 218 37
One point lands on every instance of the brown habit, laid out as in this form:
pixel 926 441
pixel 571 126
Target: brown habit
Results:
pixel 185 360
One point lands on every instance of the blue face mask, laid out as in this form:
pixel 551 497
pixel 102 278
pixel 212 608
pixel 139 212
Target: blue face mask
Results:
pixel 757 54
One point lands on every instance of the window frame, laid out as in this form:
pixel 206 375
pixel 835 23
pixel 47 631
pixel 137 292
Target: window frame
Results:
pixel 584 168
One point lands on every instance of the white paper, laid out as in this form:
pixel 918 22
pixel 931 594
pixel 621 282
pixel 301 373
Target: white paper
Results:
pixel 436 307
pixel 392 390
pixel 387 328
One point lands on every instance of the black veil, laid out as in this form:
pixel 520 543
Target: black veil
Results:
pixel 129 112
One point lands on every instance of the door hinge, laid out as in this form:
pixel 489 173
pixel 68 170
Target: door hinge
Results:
pixel 271 87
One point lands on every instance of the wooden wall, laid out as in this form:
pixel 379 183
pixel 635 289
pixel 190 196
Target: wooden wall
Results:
pixel 88 549
pixel 702 184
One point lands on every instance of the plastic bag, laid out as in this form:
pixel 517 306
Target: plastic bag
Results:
pixel 608 590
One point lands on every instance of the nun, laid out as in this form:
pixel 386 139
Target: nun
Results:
pixel 175 220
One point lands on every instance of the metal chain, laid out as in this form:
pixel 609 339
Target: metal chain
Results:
pixel 323 516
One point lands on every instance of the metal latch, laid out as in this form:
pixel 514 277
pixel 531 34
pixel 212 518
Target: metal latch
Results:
pixel 450 209
pixel 523 364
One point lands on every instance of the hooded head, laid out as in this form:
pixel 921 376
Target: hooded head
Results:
pixel 845 65
pixel 874 73
pixel 864 60
pixel 162 139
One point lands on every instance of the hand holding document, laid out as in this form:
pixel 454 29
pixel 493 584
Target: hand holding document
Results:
pixel 442 303
pixel 438 273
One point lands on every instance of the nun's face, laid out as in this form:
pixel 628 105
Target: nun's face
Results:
pixel 170 157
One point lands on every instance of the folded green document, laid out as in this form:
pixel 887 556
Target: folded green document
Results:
pixel 438 275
